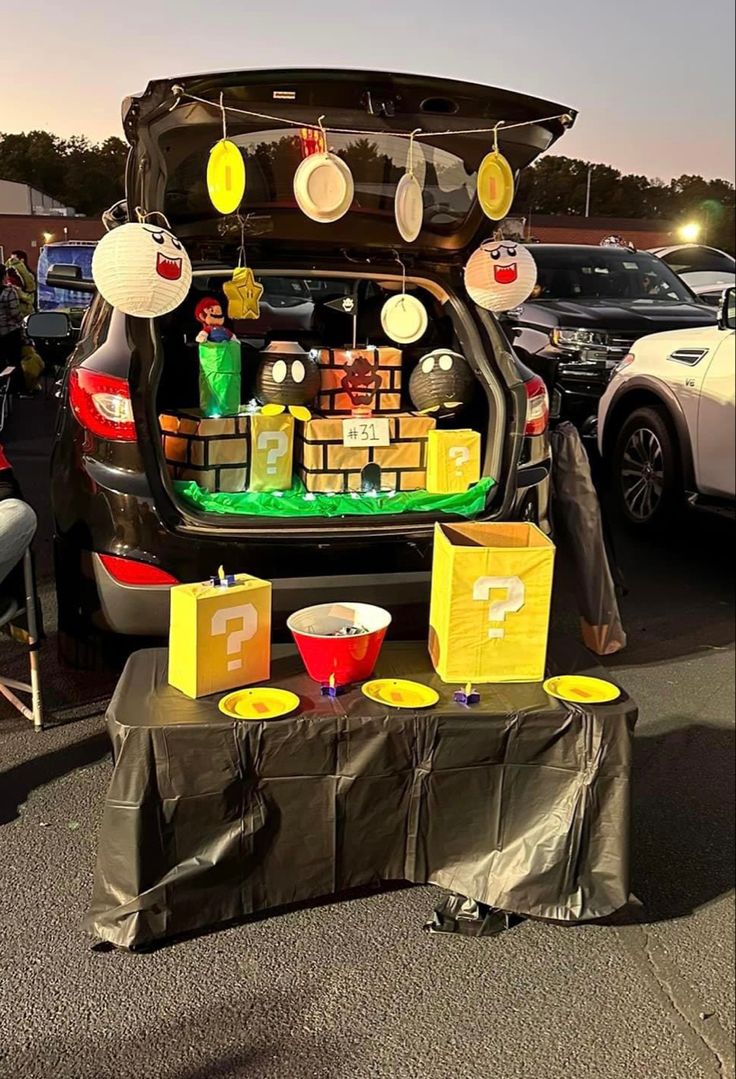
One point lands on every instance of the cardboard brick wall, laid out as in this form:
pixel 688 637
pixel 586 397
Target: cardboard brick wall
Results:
pixel 385 392
pixel 212 452
pixel 324 464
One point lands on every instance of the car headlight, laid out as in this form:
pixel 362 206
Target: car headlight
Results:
pixel 625 362
pixel 573 339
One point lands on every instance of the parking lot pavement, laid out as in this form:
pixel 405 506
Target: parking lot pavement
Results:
pixel 355 989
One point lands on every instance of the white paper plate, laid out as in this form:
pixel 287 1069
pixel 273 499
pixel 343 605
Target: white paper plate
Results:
pixel 323 187
pixel 404 318
pixel 409 207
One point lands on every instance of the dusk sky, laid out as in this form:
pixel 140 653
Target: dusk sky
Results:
pixel 653 79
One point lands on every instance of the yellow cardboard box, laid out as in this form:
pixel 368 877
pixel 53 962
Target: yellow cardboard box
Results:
pixel 453 461
pixel 271 452
pixel 491 595
pixel 219 638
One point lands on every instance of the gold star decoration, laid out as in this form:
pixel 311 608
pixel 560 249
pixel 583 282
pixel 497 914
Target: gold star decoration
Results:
pixel 243 294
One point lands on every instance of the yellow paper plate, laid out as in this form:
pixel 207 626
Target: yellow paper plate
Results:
pixel 261 702
pixel 226 176
pixel 580 689
pixel 399 693
pixel 495 186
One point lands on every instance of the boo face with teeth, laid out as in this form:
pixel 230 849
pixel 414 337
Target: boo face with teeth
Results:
pixel 142 269
pixel 500 275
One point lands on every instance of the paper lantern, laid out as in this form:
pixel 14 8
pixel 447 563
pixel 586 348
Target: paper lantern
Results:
pixel 441 380
pixel 226 176
pixel 287 376
pixel 142 270
pixel 500 275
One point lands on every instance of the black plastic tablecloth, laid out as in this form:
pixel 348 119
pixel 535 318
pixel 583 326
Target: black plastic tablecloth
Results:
pixel 521 802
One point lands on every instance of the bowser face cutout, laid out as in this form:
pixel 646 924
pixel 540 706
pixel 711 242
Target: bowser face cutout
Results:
pixel 500 275
pixel 361 382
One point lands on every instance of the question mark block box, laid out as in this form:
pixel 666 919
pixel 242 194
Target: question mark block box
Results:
pixel 453 461
pixel 272 452
pixel 490 605
pixel 219 638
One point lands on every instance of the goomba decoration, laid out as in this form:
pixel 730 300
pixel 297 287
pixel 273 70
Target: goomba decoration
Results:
pixel 361 382
pixel 500 275
pixel 288 377
pixel 441 381
pixel 142 269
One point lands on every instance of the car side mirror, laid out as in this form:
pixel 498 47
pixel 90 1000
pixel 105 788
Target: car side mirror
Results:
pixel 69 278
pixel 48 324
pixel 727 310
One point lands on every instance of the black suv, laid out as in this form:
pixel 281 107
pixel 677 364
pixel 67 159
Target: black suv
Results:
pixel 589 307
pixel 122 534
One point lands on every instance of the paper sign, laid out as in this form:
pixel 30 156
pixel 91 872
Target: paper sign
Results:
pixel 372 431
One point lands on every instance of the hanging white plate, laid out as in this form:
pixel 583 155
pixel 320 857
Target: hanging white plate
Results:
pixel 409 207
pixel 404 318
pixel 323 187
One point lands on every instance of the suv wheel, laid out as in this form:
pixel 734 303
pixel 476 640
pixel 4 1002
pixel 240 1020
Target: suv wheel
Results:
pixel 646 470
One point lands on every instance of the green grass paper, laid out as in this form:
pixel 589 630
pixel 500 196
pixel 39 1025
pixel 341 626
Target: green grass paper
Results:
pixel 298 503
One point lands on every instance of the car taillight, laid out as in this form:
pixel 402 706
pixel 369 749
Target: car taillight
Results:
pixel 102 404
pixel 129 571
pixel 537 406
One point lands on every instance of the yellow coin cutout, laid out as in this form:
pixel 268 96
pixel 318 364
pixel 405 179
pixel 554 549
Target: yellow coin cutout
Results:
pixel 226 176
pixel 399 693
pixel 260 702
pixel 579 689
pixel 495 186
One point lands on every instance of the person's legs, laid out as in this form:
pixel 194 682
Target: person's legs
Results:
pixel 11 353
pixel 17 529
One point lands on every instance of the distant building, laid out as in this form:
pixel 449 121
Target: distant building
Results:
pixel 572 229
pixel 18 198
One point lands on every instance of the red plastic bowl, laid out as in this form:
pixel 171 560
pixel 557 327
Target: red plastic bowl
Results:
pixel 349 659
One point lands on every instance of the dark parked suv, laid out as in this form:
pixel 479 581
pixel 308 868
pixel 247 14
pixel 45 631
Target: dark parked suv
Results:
pixel 590 305
pixel 123 536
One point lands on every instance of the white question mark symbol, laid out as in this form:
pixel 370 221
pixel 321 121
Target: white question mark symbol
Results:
pixel 280 446
pixel 460 455
pixel 498 609
pixel 248 617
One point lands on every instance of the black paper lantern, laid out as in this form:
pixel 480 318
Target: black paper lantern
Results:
pixel 442 380
pixel 287 375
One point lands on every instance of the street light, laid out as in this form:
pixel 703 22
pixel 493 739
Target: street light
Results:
pixel 690 232
pixel 47 237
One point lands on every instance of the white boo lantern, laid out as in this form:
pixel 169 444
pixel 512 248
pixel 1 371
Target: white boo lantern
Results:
pixel 500 274
pixel 142 269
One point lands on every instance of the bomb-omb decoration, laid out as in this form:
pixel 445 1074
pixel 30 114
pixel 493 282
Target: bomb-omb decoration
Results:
pixel 142 269
pixel 441 381
pixel 209 315
pixel 500 275
pixel 288 377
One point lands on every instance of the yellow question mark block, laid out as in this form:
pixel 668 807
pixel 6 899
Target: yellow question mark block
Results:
pixel 220 637
pixel 490 605
pixel 453 461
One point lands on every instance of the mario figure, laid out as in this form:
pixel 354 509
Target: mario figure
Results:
pixel 208 313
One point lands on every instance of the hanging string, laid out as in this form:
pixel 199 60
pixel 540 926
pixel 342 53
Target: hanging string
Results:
pixel 495 135
pixel 143 216
pixel 416 131
pixel 323 134
pixel 224 118
pixel 403 271
pixel 179 93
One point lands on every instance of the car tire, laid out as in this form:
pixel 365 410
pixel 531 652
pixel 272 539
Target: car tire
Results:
pixel 646 472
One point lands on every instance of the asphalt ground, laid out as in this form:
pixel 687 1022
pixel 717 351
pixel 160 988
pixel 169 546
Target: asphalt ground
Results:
pixel 355 988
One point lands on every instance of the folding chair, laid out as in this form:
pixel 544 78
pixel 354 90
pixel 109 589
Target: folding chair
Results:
pixel 5 399
pixel 28 636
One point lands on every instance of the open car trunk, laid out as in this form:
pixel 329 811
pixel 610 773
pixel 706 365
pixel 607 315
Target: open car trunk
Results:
pixel 303 265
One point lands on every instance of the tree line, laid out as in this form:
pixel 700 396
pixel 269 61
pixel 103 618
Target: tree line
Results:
pixel 90 177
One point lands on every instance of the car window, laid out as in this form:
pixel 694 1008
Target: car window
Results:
pixel 692 259
pixel 599 273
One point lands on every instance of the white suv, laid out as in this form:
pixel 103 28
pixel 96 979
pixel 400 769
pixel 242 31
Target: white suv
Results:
pixel 666 421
